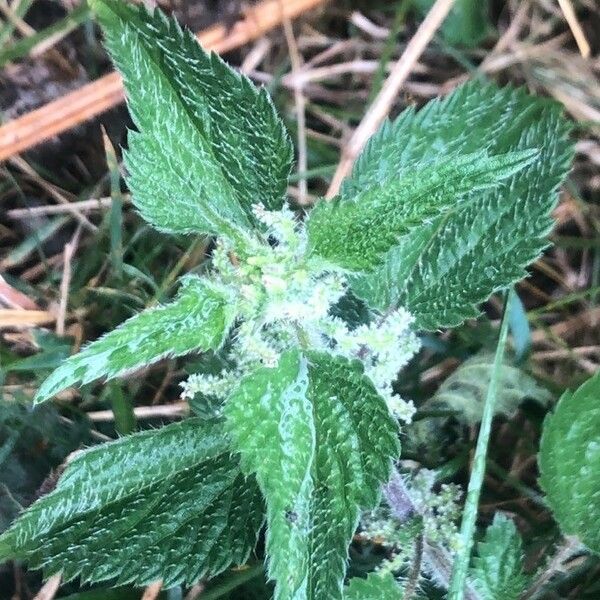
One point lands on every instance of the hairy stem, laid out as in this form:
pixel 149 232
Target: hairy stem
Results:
pixel 415 570
pixel 461 564
pixel 436 561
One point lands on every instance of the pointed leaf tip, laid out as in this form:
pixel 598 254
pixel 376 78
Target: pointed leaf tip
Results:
pixel 198 318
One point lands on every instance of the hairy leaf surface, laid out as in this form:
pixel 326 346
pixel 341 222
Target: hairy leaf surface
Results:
pixel 321 441
pixel 443 269
pixel 169 504
pixel 374 587
pixel 569 458
pixel 497 571
pixel 198 319
pixel 209 143
pixel 355 233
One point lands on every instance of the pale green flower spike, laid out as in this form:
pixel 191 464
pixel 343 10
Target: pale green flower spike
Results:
pixel 285 298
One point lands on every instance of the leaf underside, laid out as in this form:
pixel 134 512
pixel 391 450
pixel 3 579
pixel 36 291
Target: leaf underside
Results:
pixel 443 269
pixel 355 233
pixel 569 458
pixel 323 448
pixel 464 391
pixel 170 504
pixel 497 571
pixel 198 319
pixel 209 144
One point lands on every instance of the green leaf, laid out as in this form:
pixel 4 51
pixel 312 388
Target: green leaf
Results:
pixel 375 587
pixel 569 458
pixel 169 504
pixel 198 319
pixel 464 390
pixel 355 233
pixel 443 269
pixel 467 23
pixel 209 143
pixel 497 571
pixel 321 441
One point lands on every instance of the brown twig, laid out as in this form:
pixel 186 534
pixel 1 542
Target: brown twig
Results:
pixel 65 283
pixel 52 190
pixel 195 592
pixel 13 298
pixel 300 103
pixel 57 209
pixel 571 18
pixel 49 589
pixel 169 411
pixel 385 99
pixel 104 93
pixel 152 591
pixel 24 318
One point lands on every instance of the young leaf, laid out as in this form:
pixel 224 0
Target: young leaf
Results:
pixel 374 587
pixel 444 268
pixel 169 504
pixel 355 233
pixel 198 319
pixel 497 571
pixel 321 441
pixel 209 143
pixel 569 458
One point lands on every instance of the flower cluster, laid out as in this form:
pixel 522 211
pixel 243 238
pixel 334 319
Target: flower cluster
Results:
pixel 285 298
pixel 384 347
pixel 440 509
pixel 433 514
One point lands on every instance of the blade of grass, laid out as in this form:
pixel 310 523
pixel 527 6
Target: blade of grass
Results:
pixel 467 529
pixel 19 10
pixel 563 302
pixel 388 48
pixel 39 42
pixel 32 243
pixel 125 421
pixel 312 173
pixel 235 580
pixel 116 208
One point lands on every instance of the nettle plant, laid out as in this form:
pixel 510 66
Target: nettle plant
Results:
pixel 313 316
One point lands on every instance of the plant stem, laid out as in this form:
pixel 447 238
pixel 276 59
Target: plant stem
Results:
pixel 415 571
pixel 388 49
pixel 461 564
pixel 435 559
